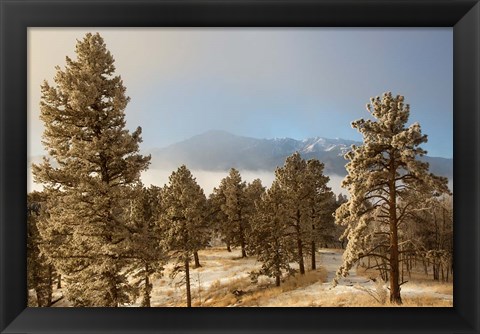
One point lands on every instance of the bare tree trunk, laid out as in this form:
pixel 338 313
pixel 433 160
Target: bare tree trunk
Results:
pixel 50 283
pixel 146 288
pixel 228 247
pixel 314 264
pixel 197 260
pixel 244 252
pixel 299 245
pixel 394 274
pixel 187 282
pixel 59 281
pixel 242 240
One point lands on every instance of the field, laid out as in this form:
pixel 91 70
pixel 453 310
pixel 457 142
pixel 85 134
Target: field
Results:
pixel 223 281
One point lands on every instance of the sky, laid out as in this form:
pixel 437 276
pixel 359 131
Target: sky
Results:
pixel 261 82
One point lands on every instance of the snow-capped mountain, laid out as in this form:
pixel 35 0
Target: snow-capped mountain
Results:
pixel 220 151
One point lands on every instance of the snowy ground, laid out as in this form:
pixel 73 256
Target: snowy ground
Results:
pixel 224 275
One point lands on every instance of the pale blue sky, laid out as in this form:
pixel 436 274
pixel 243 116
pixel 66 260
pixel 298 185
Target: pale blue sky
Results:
pixel 262 82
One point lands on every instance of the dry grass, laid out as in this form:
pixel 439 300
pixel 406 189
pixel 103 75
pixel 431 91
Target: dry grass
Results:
pixel 299 290
pixel 420 281
pixel 242 292
pixel 364 300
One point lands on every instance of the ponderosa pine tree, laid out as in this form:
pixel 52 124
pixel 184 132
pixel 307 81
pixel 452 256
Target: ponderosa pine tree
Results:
pixel 384 176
pixel 183 221
pixel 217 217
pixel 233 203
pixel 253 194
pixel 300 187
pixel 270 240
pixel 88 187
pixel 319 204
pixel 147 249
pixel 39 270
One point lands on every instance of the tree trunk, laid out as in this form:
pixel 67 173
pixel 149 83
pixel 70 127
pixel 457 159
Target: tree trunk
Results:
pixel 394 272
pixel 300 255
pixel 277 280
pixel 50 283
pixel 242 239
pixel 197 260
pixel 147 288
pixel 228 247
pixel 314 264
pixel 59 281
pixel 244 252
pixel 299 245
pixel 187 282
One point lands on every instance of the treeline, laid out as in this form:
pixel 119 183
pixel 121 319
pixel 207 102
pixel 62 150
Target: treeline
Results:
pixel 279 226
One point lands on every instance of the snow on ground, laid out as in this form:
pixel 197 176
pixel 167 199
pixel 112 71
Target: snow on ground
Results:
pixel 221 268
pixel 314 294
pixel 218 267
pixel 324 294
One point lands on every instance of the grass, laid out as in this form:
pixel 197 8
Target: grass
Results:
pixel 364 300
pixel 249 294
pixel 418 280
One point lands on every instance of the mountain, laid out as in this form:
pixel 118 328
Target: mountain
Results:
pixel 219 151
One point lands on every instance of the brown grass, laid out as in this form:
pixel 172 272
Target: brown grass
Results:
pixel 364 300
pixel 222 295
pixel 420 280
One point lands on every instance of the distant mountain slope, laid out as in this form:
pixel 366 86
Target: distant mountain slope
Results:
pixel 220 151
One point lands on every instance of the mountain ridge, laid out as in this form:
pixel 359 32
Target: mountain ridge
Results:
pixel 218 150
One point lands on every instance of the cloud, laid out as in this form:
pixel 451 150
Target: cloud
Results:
pixel 210 179
pixel 206 179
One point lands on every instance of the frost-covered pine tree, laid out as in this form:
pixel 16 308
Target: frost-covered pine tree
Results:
pixel 88 185
pixel 253 194
pixel 217 217
pixel 183 221
pixel 319 205
pixel 40 272
pixel 293 179
pixel 384 176
pixel 230 195
pixel 270 240
pixel 147 250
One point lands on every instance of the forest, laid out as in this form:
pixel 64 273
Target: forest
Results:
pixel 98 237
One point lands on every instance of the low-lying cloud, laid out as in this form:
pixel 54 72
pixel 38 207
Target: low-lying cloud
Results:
pixel 211 179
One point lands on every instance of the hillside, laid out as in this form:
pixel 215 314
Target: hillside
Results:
pixel 220 151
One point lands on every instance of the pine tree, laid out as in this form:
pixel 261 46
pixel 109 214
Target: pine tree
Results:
pixel 233 203
pixel 253 194
pixel 147 249
pixel 96 162
pixel 217 217
pixel 270 240
pixel 384 180
pixel 183 221
pixel 319 204
pixel 39 269
pixel 292 179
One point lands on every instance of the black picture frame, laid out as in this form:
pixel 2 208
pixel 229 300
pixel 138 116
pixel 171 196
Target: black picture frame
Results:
pixel 18 15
